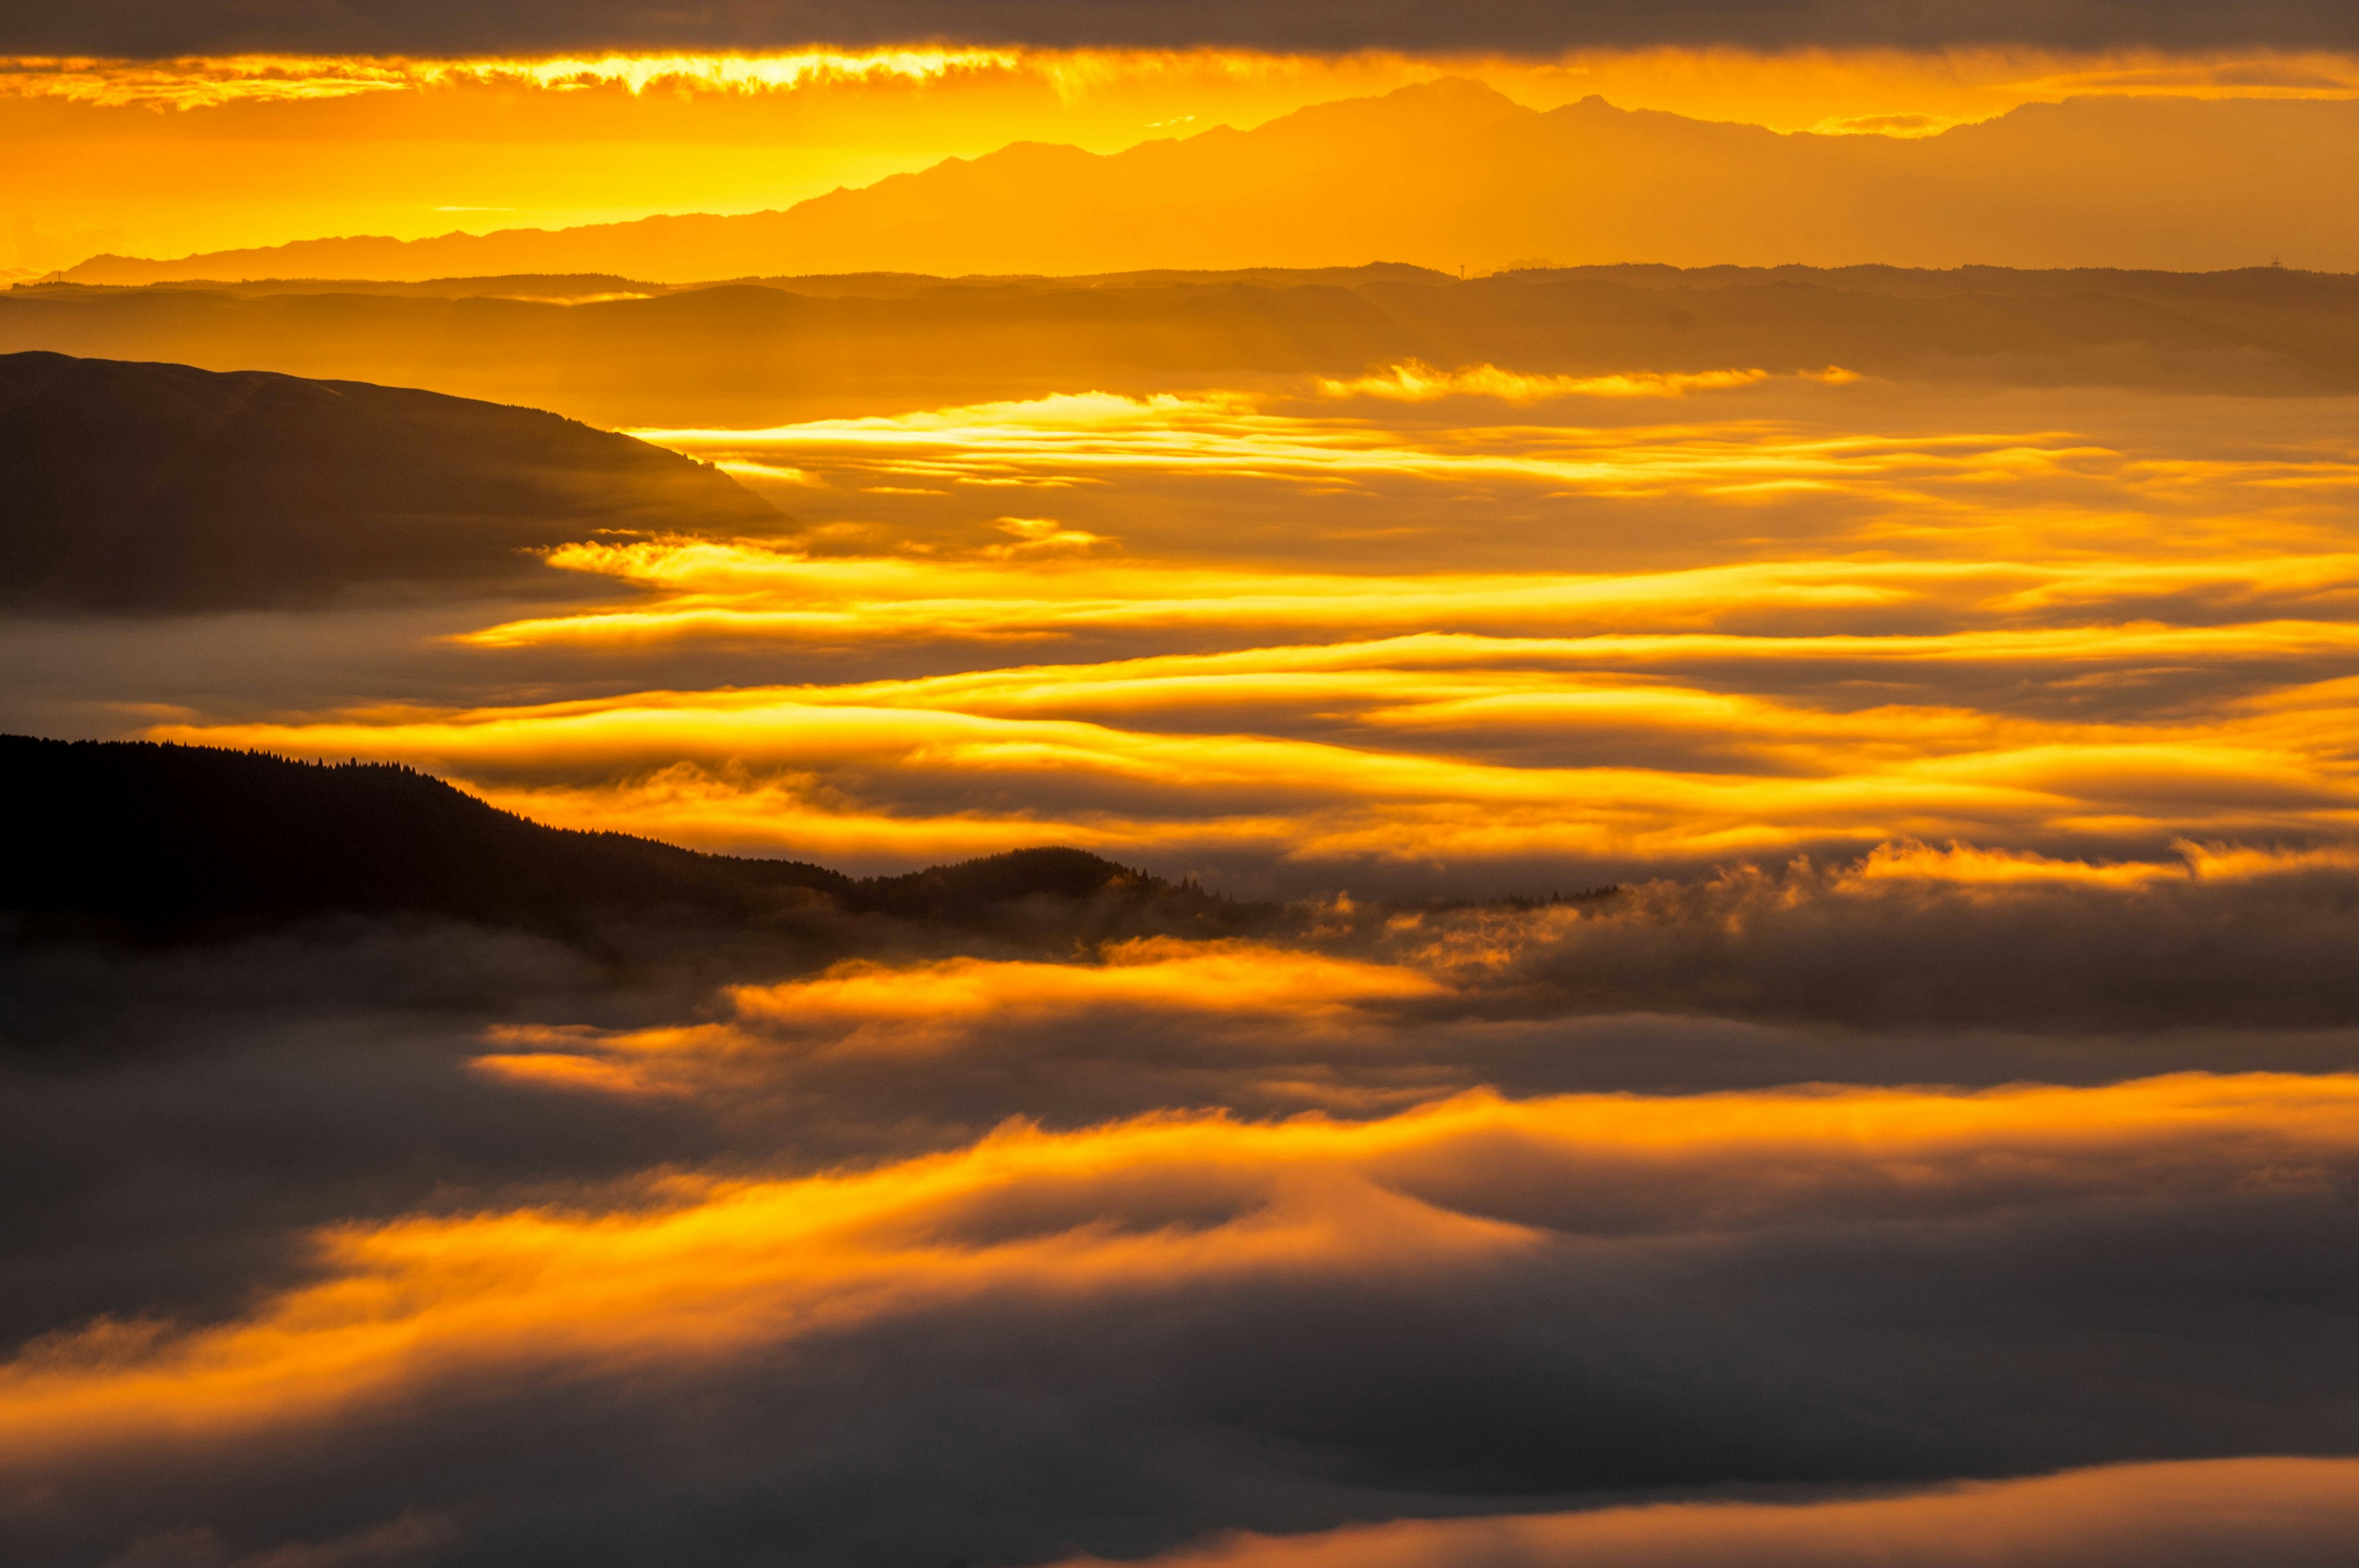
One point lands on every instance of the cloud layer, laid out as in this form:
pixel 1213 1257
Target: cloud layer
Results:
pixel 2289 1511
pixel 140 27
pixel 1607 635
pixel 1957 1087
pixel 1186 1319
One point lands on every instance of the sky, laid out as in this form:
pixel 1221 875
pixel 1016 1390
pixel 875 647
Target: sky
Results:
pixel 1790 834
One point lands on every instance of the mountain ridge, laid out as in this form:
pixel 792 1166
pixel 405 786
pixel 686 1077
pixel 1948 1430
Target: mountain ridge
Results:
pixel 763 351
pixel 1431 172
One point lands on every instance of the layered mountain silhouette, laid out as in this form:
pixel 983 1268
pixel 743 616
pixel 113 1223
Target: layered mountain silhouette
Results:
pixel 1450 173
pixel 756 353
pixel 134 838
pixel 161 488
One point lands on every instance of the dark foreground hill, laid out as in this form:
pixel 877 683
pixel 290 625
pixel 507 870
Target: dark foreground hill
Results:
pixel 132 837
pixel 160 488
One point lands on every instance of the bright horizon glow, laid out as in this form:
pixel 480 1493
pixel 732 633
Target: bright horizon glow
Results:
pixel 1679 79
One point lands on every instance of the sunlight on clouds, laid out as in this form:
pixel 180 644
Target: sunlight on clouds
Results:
pixel 865 1008
pixel 2292 1511
pixel 753 591
pixel 2049 646
pixel 1964 863
pixel 2250 487
pixel 730 72
pixel 200 83
pixel 559 1070
pixel 748 590
pixel 205 83
pixel 1216 977
pixel 698 1269
pixel 788 770
pixel 1733 885
pixel 1889 92
pixel 1414 381
pixel 1234 434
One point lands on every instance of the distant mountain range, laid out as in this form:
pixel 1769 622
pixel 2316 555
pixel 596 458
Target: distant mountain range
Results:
pixel 759 353
pixel 1448 174
pixel 130 838
pixel 137 488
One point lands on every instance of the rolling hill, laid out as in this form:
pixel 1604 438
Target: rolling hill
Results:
pixel 142 488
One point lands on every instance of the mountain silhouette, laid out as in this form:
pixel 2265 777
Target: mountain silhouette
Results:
pixel 154 841
pixel 161 488
pixel 1450 173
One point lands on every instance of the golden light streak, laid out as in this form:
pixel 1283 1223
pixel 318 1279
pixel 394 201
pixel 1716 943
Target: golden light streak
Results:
pixel 2223 861
pixel 865 1008
pixel 862 1010
pixel 1414 381
pixel 1106 435
pixel 748 590
pixel 196 83
pixel 736 591
pixel 2057 650
pixel 804 772
pixel 1831 92
pixel 2169 1513
pixel 2010 495
pixel 2003 867
pixel 1235 434
pixel 1217 977
pixel 562 1070
pixel 733 73
pixel 698 1269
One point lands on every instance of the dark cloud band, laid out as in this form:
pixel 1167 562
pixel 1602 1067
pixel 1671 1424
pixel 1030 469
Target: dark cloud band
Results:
pixel 163 28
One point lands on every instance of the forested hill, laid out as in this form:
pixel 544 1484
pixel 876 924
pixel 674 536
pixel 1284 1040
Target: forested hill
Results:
pixel 164 840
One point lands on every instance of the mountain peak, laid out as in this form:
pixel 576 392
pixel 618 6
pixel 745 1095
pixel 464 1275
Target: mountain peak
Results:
pixel 1443 101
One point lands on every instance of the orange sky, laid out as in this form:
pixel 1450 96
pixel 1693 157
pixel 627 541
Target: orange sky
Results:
pixel 166 158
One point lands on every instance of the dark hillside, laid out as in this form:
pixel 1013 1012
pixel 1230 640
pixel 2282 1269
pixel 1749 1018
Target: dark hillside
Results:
pixel 171 841
pixel 158 488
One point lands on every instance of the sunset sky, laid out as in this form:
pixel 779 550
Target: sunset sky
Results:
pixel 1722 641
pixel 206 152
